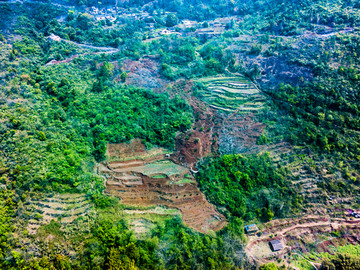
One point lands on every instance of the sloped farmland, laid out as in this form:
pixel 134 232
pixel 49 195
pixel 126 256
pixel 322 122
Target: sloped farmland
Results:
pixel 141 178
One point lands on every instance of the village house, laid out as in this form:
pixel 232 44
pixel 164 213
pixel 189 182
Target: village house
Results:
pixel 250 229
pixel 276 245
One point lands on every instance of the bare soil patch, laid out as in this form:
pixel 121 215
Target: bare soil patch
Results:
pixel 144 73
pixel 299 234
pixel 159 183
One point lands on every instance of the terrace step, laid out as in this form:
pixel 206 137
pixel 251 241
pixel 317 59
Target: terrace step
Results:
pixel 128 178
pixel 117 165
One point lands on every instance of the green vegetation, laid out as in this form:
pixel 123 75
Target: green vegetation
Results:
pixel 229 94
pixel 269 266
pixel 341 262
pixel 112 244
pixel 247 187
pixel 162 167
pixel 324 113
pixel 57 118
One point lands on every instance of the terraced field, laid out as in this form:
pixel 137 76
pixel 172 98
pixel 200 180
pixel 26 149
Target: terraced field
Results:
pixel 309 178
pixel 142 221
pixel 133 151
pixel 63 207
pixel 231 94
pixel 157 180
pixel 236 102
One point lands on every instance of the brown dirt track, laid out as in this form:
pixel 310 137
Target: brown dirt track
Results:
pixel 294 233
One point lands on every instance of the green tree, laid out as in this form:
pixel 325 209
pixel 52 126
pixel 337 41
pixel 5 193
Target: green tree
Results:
pixel 84 21
pixel 341 262
pixel 171 20
pixel 269 266
pixel 213 66
pixel 123 76
pixel 12 56
pixel 115 262
pixel 106 70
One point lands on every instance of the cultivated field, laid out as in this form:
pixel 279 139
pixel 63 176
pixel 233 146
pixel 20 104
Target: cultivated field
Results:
pixel 64 208
pixel 156 180
pixel 232 94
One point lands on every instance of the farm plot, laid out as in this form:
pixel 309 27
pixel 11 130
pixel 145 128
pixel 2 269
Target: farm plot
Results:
pixel 142 221
pixel 135 150
pixel 165 167
pixel 156 180
pixel 64 208
pixel 231 94
pixel 309 181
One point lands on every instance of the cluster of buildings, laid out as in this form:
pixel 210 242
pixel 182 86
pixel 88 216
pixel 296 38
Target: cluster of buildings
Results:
pixel 104 13
pixel 275 245
pixel 208 29
pixel 111 13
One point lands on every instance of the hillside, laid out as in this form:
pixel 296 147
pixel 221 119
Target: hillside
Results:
pixel 149 134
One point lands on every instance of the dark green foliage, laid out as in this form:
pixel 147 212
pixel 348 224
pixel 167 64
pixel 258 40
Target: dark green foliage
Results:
pixel 255 49
pixel 269 266
pixel 84 21
pixel 262 140
pixel 213 66
pixel 247 186
pixel 103 201
pixel 181 248
pixel 8 204
pixel 53 228
pixel 341 262
pixel 123 76
pixel 180 57
pixel 153 117
pixel 171 20
pixel 98 86
pixel 113 243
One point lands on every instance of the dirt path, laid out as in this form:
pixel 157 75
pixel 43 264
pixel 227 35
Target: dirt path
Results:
pixel 57 38
pixel 295 225
pixel 105 50
pixel 330 34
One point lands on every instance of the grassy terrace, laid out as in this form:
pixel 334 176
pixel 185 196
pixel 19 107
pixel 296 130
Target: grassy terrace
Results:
pixel 229 94
pixel 162 167
pixel 64 208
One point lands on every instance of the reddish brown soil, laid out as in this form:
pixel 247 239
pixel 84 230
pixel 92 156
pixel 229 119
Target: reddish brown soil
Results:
pixel 124 150
pixel 214 132
pixel 198 142
pixel 144 73
pixel 236 133
pixel 135 188
pixel 296 233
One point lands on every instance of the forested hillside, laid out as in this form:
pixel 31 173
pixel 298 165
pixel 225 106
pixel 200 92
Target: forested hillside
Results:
pixel 147 134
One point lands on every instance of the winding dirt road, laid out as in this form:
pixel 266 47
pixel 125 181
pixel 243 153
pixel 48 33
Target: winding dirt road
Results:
pixel 296 225
pixel 106 50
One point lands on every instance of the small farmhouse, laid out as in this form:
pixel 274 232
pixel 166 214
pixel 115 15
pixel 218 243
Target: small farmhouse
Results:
pixel 276 245
pixel 251 228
